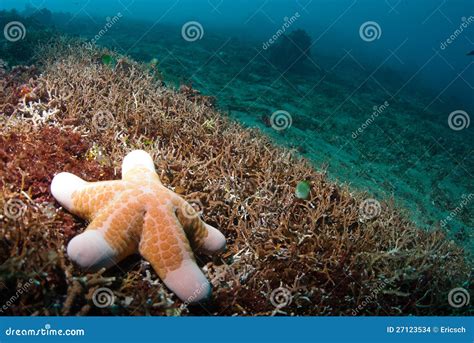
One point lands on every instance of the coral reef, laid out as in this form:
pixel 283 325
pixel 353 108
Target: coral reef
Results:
pixel 325 126
pixel 285 255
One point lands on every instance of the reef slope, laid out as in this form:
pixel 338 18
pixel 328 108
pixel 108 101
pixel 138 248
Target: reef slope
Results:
pixel 75 113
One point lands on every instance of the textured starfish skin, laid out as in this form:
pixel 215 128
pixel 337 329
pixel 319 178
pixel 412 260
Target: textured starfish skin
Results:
pixel 134 214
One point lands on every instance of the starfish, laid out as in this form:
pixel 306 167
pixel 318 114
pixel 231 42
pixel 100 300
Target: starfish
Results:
pixel 138 213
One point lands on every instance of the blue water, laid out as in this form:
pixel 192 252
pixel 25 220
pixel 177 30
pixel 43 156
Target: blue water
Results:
pixel 382 96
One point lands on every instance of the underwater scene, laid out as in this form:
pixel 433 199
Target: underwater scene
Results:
pixel 236 158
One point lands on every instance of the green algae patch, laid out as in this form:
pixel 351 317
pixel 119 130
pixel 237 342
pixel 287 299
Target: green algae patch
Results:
pixel 108 60
pixel 303 190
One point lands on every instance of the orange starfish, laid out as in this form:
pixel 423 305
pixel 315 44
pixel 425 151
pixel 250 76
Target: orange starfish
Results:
pixel 139 213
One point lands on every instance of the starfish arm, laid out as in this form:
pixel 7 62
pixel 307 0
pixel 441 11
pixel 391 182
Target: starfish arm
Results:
pixel 94 196
pixel 81 197
pixel 136 164
pixel 202 236
pixel 110 237
pixel 165 246
pixel 63 186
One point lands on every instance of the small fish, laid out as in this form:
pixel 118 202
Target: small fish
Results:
pixel 470 53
